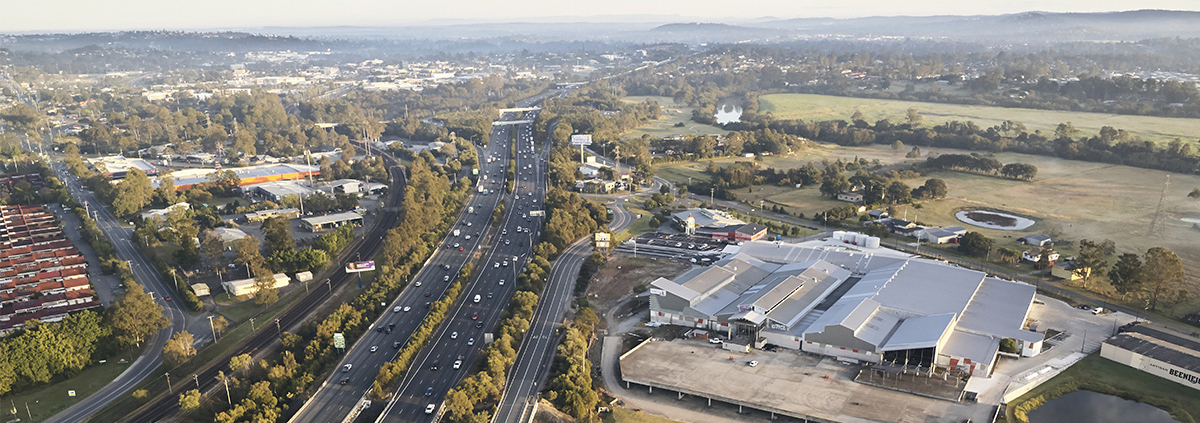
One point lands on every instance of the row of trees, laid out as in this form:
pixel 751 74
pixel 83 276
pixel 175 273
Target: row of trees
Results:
pixel 980 164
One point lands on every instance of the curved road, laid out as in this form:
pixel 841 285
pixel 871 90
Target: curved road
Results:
pixel 146 275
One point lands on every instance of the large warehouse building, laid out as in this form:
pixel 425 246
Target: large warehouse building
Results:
pixel 250 175
pixel 1158 352
pixel 854 306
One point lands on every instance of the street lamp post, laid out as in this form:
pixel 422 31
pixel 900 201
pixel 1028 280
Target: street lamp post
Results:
pixel 214 328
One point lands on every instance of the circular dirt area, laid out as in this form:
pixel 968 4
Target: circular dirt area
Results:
pixel 994 220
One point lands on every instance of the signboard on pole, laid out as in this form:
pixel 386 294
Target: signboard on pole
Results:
pixel 581 139
pixel 360 266
pixel 339 341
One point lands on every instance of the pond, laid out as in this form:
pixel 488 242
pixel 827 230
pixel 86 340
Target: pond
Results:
pixel 728 112
pixel 994 220
pixel 1093 407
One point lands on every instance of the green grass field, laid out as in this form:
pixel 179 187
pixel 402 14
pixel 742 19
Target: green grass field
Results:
pixel 824 107
pixel 1141 384
pixel 673 114
pixel 1077 200
pixel 45 401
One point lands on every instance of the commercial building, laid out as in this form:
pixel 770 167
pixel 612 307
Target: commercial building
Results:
pixel 229 235
pixel 116 167
pixel 42 275
pixel 262 215
pixel 718 225
pixel 851 305
pixel 330 221
pixel 242 287
pixel 250 175
pixel 1159 352
pixel 276 191
pixel 33 178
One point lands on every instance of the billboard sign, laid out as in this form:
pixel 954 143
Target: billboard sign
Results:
pixel 658 292
pixel 581 140
pixel 339 341
pixel 360 266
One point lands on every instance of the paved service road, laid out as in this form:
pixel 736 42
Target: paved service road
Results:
pixel 334 401
pixel 146 275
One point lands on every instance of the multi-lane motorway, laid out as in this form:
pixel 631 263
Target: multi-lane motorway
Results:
pixel 344 390
pixel 457 342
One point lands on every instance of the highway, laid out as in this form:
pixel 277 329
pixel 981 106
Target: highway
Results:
pixel 366 245
pixel 334 401
pixel 461 336
pixel 146 275
pixel 536 354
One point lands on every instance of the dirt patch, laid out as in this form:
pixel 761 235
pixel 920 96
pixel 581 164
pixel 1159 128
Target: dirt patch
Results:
pixel 623 273
pixel 546 413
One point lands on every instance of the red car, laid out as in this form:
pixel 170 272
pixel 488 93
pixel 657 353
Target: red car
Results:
pixel 167 298
pixel 475 316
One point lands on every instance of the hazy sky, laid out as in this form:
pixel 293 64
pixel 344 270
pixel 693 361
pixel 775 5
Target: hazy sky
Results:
pixel 81 15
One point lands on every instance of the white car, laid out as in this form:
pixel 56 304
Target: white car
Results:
pixel 502 282
pixel 407 308
pixel 457 364
pixel 429 408
pixel 752 363
pixel 453 335
pixel 471 342
pixel 714 340
pixel 374 348
pixel 347 368
pixel 396 310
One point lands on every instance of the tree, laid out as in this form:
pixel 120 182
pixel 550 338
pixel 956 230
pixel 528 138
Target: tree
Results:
pixel 1162 274
pixel 912 116
pixel 277 234
pixel 189 401
pixel 1090 261
pixel 240 364
pixel 264 284
pixel 1126 275
pixel 933 188
pixel 975 244
pixel 179 349
pixel 1008 345
pixel 1195 194
pixel 219 324
pixel 132 193
pixel 915 153
pixel 246 252
pixel 213 248
pixel 897 145
pixel 135 316
pixel 898 192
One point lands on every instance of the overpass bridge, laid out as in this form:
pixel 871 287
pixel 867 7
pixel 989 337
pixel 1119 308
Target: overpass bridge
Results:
pixel 519 109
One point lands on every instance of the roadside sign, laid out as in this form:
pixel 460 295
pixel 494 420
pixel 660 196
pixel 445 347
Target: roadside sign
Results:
pixel 360 266
pixel 339 341
pixel 581 140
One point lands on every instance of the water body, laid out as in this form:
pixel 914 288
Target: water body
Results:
pixel 1092 407
pixel 728 113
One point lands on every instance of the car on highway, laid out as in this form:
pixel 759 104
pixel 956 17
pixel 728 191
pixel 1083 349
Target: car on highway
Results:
pixel 456 245
pixel 446 278
pixel 347 368
pixel 471 342
pixel 453 335
pixel 396 344
pixel 474 316
pixel 345 380
pixel 429 391
pixel 374 348
pixel 427 293
pixel 478 324
pixel 502 282
pixel 407 308
pixel 458 363
pixel 396 309
pixel 446 266
pixel 489 295
pixel 429 408
pixel 435 364
pixel 477 298
pixel 418 283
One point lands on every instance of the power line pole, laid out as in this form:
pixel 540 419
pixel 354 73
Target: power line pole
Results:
pixel 1158 225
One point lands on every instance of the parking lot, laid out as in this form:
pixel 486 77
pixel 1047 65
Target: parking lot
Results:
pixel 791 382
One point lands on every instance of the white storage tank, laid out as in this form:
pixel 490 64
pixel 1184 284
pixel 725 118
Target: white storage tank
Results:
pixel 839 235
pixel 859 239
pixel 872 242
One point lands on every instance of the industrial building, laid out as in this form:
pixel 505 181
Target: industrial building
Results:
pixel 276 191
pixel 852 305
pixel 42 275
pixel 717 225
pixel 1156 351
pixel 228 235
pixel 242 287
pixel 261 215
pixel 330 221
pixel 250 175
pixel 116 167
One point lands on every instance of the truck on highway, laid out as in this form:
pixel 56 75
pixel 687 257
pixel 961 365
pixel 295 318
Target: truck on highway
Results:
pixel 456 232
